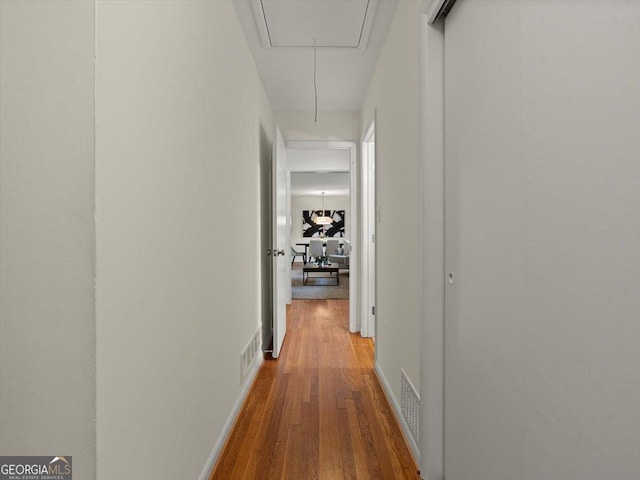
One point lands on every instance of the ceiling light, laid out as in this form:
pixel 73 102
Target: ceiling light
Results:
pixel 315 68
pixel 322 219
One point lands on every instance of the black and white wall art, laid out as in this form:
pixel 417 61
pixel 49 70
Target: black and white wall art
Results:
pixel 311 229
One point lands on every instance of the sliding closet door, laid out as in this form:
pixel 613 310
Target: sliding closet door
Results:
pixel 542 365
pixel 483 237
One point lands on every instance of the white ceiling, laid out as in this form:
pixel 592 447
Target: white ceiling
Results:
pixel 349 35
pixel 312 184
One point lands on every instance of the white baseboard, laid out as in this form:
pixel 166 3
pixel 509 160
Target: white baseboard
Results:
pixel 398 412
pixel 228 425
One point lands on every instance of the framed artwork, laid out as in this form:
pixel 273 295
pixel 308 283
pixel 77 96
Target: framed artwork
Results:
pixel 311 229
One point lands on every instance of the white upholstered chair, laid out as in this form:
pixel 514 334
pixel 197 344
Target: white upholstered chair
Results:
pixel 341 259
pixel 333 247
pixel 295 253
pixel 316 250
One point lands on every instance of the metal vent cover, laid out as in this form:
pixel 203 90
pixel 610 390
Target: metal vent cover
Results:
pixel 249 353
pixel 410 405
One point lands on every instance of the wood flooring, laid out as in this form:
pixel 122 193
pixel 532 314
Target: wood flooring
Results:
pixel 317 412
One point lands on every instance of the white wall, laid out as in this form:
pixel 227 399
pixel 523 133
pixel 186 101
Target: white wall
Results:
pixel 331 126
pixel 393 94
pixel 313 202
pixel 318 160
pixel 313 183
pixel 543 234
pixel 180 116
pixel 47 266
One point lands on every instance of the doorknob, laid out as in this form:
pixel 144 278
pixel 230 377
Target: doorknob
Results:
pixel 269 252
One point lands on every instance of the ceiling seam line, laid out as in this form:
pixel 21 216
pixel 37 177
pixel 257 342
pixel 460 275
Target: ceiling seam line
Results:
pixel 353 47
pixel 364 20
pixel 266 24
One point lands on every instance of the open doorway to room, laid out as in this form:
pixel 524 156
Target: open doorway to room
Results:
pixel 320 235
pixel 322 181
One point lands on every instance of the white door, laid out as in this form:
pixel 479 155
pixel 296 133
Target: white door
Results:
pixel 483 228
pixel 279 249
pixel 542 365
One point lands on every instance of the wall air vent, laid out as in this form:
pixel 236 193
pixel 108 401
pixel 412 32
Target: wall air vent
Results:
pixel 249 353
pixel 410 405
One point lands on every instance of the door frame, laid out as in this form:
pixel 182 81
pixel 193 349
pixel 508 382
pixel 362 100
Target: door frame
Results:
pixel 432 235
pixel 354 320
pixel 368 202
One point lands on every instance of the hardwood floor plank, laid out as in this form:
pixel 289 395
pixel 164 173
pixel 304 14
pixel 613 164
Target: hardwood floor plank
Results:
pixel 330 456
pixel 271 461
pixel 370 450
pixel 317 412
pixel 311 444
pixel 359 453
pixel 346 445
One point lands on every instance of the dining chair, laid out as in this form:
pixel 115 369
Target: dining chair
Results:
pixel 295 253
pixel 333 246
pixel 316 249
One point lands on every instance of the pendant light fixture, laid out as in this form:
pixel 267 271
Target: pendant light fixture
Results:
pixel 315 84
pixel 322 219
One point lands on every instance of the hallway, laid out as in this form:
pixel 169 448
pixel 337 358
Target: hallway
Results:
pixel 318 411
pixel 136 158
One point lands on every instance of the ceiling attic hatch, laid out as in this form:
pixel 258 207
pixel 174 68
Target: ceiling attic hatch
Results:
pixel 296 23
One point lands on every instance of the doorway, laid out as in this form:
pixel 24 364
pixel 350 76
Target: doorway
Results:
pixel 310 158
pixel 320 210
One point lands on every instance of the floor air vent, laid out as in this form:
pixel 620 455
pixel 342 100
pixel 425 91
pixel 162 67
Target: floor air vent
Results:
pixel 410 406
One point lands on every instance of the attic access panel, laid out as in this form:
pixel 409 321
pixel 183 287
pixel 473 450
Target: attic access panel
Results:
pixel 295 23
